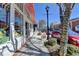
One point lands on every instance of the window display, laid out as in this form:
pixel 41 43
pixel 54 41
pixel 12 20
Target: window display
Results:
pixel 18 24
pixel 4 26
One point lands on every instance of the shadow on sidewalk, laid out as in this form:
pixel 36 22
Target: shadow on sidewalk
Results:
pixel 32 52
pixel 33 49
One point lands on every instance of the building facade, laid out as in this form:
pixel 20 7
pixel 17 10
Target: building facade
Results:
pixel 16 22
pixel 73 24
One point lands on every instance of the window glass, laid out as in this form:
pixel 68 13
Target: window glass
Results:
pixel 4 24
pixel 18 24
pixel 77 28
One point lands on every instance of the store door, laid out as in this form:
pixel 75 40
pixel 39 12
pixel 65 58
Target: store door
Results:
pixel 27 30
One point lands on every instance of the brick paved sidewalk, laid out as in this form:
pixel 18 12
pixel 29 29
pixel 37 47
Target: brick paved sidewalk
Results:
pixel 35 47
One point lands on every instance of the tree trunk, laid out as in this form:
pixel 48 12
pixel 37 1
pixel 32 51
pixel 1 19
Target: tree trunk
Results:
pixel 64 34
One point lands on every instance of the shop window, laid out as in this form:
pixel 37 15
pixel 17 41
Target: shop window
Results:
pixel 27 30
pixel 18 24
pixel 4 23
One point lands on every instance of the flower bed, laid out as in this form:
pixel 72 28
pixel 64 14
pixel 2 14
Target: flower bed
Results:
pixel 72 50
pixel 3 37
pixel 52 46
pixel 51 42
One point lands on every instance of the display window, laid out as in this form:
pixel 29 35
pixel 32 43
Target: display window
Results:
pixel 18 24
pixel 4 23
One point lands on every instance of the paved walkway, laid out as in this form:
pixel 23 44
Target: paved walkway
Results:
pixel 35 47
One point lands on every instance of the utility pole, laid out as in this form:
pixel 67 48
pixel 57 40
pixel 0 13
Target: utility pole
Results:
pixel 47 10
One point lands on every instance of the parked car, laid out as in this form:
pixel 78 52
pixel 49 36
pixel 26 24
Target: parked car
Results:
pixel 56 33
pixel 73 37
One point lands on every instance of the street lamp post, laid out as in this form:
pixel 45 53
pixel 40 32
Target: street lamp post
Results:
pixel 47 10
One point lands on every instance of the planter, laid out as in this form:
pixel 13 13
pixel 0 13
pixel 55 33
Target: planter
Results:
pixel 72 50
pixel 53 50
pixel 52 46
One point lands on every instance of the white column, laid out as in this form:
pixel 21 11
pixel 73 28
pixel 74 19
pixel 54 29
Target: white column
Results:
pixel 24 28
pixel 31 30
pixel 29 26
pixel 24 31
pixel 12 20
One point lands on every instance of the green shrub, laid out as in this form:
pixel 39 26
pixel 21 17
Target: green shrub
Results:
pixel 51 42
pixel 4 39
pixel 72 50
pixel 2 32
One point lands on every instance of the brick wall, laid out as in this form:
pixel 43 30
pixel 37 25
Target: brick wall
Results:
pixel 74 23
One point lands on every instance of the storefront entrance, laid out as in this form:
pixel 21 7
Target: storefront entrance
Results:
pixel 27 30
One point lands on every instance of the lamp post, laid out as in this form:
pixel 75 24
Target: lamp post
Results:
pixel 47 10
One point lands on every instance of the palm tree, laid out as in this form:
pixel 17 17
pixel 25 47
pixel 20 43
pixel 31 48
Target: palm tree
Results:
pixel 65 11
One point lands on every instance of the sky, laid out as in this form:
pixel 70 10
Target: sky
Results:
pixel 40 12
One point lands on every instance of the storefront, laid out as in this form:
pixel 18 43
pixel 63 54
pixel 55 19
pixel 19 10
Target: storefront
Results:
pixel 4 24
pixel 11 29
pixel 15 27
